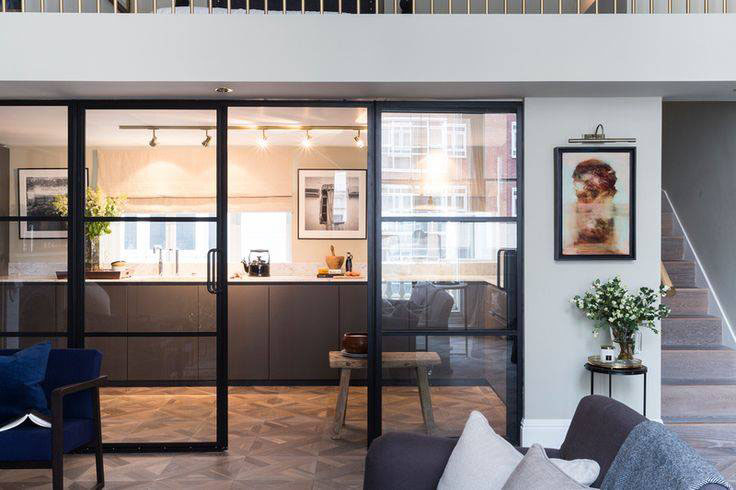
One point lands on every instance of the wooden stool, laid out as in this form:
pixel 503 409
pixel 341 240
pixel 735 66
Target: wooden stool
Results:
pixel 420 361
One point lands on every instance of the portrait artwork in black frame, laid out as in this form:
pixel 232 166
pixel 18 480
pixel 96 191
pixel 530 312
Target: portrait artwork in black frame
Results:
pixel 595 203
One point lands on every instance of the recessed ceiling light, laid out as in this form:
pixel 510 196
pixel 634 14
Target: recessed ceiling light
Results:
pixel 223 90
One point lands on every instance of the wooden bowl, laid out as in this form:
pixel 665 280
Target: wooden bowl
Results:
pixel 355 343
pixel 335 261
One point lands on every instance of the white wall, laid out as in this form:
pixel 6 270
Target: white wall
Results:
pixel 366 49
pixel 554 385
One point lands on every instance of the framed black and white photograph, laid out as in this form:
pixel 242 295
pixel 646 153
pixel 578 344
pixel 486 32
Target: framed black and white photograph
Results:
pixel 332 204
pixel 37 188
pixel 595 201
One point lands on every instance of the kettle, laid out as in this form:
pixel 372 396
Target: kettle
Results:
pixel 255 265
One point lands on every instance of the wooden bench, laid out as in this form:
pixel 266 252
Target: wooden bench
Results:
pixel 420 361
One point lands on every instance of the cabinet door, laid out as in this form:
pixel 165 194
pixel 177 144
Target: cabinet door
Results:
pixel 163 308
pixel 248 332
pixel 105 307
pixel 353 315
pixel 353 308
pixel 304 328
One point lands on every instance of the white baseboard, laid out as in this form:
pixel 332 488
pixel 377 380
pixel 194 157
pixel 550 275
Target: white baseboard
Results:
pixel 547 432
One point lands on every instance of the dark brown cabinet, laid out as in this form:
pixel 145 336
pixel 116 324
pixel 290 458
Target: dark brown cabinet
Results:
pixel 277 332
pixel 248 326
pixel 304 328
pixel 163 308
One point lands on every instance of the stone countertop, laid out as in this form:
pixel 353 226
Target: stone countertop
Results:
pixel 188 279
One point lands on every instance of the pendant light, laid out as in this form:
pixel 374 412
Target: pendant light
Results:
pixel 154 140
pixel 307 141
pixel 263 141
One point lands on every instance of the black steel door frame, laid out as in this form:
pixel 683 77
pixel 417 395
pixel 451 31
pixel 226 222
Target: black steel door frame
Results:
pixel 75 297
pixel 76 259
pixel 374 252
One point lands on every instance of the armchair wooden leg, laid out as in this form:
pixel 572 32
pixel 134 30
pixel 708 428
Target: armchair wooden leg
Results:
pixel 100 466
pixel 57 446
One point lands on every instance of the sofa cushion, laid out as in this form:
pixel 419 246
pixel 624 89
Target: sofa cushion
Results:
pixel 597 431
pixel 537 472
pixel 29 442
pixel 21 375
pixel 481 459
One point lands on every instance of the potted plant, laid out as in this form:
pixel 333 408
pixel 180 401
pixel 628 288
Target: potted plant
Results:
pixel 609 304
pixel 97 205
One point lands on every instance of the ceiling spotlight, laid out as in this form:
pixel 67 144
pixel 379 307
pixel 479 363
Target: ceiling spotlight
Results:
pixel 263 141
pixel 223 90
pixel 359 142
pixel 307 141
pixel 154 140
pixel 207 138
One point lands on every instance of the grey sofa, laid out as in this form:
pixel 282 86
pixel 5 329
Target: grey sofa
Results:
pixel 411 461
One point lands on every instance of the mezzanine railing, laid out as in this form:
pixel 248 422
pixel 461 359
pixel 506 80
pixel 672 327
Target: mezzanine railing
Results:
pixel 263 7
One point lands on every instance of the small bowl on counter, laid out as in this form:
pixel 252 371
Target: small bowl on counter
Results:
pixel 119 265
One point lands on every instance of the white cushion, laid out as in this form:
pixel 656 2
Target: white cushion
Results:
pixel 484 460
pixel 481 459
pixel 583 471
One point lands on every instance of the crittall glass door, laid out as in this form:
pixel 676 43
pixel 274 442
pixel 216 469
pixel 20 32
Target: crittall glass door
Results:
pixel 448 268
pixel 33 234
pixel 153 288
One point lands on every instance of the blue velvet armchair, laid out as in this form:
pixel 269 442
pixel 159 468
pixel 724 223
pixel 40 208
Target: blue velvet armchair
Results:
pixel 72 390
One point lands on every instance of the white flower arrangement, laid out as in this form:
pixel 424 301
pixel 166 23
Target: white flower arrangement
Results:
pixel 610 304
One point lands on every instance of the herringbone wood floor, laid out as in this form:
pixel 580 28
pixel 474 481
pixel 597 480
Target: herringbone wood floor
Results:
pixel 279 436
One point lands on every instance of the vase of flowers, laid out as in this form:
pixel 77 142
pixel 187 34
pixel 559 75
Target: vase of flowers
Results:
pixel 611 305
pixel 97 205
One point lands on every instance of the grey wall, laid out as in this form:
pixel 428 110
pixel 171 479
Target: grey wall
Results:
pixel 558 338
pixel 699 173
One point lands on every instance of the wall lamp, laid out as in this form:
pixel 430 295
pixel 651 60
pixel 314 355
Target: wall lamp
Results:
pixel 154 140
pixel 207 138
pixel 599 137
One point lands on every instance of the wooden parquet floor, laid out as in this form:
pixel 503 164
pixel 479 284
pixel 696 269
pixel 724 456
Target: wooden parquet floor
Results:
pixel 279 436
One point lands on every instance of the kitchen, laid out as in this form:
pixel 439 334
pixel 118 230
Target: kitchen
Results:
pixel 296 199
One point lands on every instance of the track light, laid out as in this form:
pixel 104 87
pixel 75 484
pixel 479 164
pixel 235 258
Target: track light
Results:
pixel 307 141
pixel 263 141
pixel 154 140
pixel 359 142
pixel 207 138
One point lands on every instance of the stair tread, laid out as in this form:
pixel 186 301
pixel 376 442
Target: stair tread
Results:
pixel 692 317
pixel 697 347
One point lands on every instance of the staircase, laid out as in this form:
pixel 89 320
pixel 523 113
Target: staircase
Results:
pixel 698 372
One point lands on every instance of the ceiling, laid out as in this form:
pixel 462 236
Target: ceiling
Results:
pixel 47 126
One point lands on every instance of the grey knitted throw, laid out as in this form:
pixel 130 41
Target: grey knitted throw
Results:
pixel 653 457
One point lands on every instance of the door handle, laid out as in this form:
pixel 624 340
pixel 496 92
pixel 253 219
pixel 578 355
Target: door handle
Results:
pixel 211 271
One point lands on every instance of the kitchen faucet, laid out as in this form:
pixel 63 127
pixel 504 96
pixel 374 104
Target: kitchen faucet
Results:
pixel 160 259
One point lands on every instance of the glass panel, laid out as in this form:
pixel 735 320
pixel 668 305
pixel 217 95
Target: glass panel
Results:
pixel 445 275
pixel 164 413
pixel 143 245
pixel 33 297
pixel 296 184
pixel 448 164
pixel 33 156
pixel 156 162
pixel 467 373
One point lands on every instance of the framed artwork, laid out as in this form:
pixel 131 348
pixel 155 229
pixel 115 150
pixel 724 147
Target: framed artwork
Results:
pixel 595 203
pixel 332 204
pixel 37 188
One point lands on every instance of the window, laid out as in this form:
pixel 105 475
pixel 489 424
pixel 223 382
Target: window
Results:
pixel 513 139
pixel 405 140
pixel 268 230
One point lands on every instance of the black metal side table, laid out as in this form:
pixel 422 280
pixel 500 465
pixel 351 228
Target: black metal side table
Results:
pixel 618 372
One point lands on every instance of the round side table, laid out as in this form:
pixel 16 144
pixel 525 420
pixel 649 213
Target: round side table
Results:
pixel 618 372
